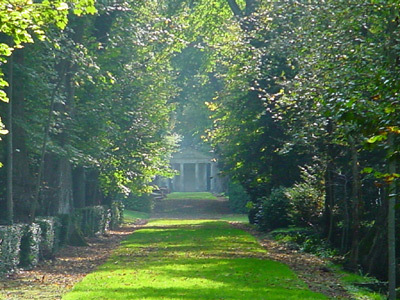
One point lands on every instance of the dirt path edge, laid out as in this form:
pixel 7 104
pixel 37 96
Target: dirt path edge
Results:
pixel 310 268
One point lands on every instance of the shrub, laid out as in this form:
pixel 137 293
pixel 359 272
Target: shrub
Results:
pixel 144 202
pixel 238 197
pixel 307 198
pixel 305 240
pixel 50 227
pixel 273 211
pixel 30 245
pixel 10 241
pixel 93 220
pixel 117 214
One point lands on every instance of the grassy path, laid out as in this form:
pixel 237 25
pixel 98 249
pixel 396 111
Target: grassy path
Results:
pixel 192 260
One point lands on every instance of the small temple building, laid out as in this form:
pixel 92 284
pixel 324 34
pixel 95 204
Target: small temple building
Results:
pixel 198 172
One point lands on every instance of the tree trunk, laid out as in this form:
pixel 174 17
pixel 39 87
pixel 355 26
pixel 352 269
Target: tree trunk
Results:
pixel 329 192
pixel 79 185
pixel 10 195
pixel 356 197
pixel 392 224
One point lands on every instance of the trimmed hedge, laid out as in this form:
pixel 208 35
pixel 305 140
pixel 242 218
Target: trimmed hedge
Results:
pixel 143 203
pixel 50 241
pixel 30 245
pixel 23 245
pixel 10 241
pixel 93 220
pixel 117 214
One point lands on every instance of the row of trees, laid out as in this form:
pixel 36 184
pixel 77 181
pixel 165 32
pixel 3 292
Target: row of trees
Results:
pixel 89 114
pixel 303 97
pixel 311 99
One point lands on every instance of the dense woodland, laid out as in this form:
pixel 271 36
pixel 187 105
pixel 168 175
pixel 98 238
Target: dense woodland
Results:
pixel 298 99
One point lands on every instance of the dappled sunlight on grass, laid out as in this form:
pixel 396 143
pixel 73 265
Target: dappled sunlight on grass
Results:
pixel 182 259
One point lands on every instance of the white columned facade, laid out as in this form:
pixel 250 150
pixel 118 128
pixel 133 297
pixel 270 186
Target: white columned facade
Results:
pixel 194 170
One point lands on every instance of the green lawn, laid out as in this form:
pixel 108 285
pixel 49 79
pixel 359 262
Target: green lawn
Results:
pixel 194 195
pixel 192 260
pixel 131 216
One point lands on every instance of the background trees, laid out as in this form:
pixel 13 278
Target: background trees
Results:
pixel 90 110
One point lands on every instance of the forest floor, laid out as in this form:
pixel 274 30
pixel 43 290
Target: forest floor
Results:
pixel 54 278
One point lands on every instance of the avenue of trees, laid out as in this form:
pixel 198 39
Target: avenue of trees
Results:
pixel 298 99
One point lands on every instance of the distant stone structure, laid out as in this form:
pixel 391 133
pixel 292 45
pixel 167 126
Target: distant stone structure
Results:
pixel 198 172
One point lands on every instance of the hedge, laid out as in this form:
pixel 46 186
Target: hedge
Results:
pixel 10 241
pixel 23 245
pixel 50 241
pixel 30 244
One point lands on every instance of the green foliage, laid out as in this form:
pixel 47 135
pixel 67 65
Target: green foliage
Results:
pixel 93 220
pixel 22 21
pixel 142 203
pixel 238 198
pixel 273 210
pixel 358 285
pixel 305 240
pixel 117 214
pixel 10 237
pixel 198 259
pixel 50 228
pixel 30 246
pixel 307 198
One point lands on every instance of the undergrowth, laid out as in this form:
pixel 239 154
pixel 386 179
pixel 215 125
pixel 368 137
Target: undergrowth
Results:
pixel 303 239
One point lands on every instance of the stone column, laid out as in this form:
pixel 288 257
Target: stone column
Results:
pixel 182 177
pixel 196 177
pixel 205 176
pixel 174 180
pixel 212 181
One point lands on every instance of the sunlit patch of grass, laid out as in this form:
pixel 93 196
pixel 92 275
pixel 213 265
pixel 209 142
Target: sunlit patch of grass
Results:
pixel 241 218
pixel 131 216
pixel 191 195
pixel 191 259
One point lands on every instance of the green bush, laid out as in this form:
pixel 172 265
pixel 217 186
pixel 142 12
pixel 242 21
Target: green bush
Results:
pixel 238 198
pixel 93 220
pixel 273 211
pixel 143 203
pixel 50 227
pixel 117 214
pixel 30 245
pixel 307 198
pixel 306 204
pixel 305 240
pixel 10 242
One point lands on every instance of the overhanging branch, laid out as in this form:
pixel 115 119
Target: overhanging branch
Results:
pixel 235 8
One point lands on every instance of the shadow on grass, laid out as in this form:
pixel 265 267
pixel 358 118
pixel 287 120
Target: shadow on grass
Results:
pixel 204 279
pixel 204 260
